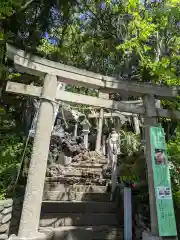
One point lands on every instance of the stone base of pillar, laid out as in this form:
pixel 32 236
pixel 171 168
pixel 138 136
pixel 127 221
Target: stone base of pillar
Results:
pixel 39 236
pixel 149 236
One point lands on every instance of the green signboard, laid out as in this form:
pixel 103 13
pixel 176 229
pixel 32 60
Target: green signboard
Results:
pixel 162 183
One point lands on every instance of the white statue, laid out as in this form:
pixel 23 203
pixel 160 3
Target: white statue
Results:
pixel 113 145
pixel 113 151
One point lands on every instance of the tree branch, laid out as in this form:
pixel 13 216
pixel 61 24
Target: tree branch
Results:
pixel 22 8
pixel 25 5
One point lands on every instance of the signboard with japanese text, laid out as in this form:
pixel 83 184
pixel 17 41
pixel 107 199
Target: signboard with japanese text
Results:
pixel 162 183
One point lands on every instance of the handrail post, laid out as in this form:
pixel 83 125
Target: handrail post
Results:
pixel 127 213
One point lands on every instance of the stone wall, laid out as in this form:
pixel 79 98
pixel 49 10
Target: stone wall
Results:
pixel 10 213
pixel 6 207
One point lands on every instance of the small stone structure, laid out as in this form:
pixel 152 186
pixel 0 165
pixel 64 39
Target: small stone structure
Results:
pixel 10 214
pixel 6 207
pixel 148 236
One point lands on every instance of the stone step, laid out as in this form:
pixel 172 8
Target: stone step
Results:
pixel 75 196
pixel 94 162
pixel 88 169
pixel 85 172
pixel 86 233
pixel 75 187
pixel 77 219
pixel 87 165
pixel 77 180
pixel 78 207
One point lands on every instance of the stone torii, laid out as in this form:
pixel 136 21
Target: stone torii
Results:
pixel 53 72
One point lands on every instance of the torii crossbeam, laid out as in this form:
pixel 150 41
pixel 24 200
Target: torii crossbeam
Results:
pixel 35 65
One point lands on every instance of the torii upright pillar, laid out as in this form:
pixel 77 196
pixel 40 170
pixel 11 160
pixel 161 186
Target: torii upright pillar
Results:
pixel 149 121
pixel 100 122
pixel 150 110
pixel 29 222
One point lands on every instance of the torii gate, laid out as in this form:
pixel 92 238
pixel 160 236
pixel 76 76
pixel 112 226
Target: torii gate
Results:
pixel 53 72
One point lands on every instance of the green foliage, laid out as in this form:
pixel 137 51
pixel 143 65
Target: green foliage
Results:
pixel 174 149
pixel 174 158
pixel 10 155
pixel 130 142
pixel 7 7
pixel 13 152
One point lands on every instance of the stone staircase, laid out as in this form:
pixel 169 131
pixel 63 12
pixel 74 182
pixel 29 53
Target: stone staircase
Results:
pixel 76 204
pixel 80 220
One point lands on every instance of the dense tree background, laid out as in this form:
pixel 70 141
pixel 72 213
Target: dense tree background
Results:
pixel 131 40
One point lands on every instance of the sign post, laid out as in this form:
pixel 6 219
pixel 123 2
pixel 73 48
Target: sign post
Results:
pixel 162 184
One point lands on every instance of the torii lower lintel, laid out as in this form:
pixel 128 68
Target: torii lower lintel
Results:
pixel 70 97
